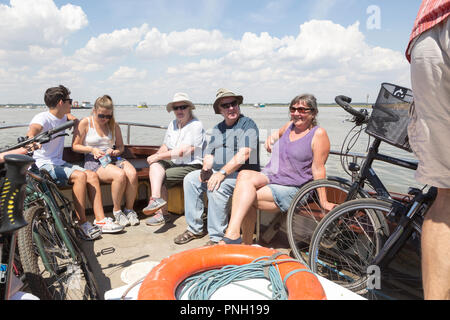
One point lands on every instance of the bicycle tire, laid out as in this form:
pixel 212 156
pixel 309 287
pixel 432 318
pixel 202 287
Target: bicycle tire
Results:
pixel 305 212
pixel 28 261
pixel 347 240
pixel 68 278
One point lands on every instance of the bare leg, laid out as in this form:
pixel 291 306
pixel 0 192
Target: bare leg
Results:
pixel 78 179
pixel 436 248
pixel 95 194
pixel 244 197
pixel 248 226
pixel 117 178
pixel 132 185
pixel 156 175
pixel 264 201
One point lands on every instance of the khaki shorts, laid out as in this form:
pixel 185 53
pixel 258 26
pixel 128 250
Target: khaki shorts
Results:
pixel 175 173
pixel 429 128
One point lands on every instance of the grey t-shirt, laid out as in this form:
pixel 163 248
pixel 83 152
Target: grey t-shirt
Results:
pixel 226 141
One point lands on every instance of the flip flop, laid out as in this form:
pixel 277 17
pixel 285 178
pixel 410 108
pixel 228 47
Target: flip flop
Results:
pixel 230 241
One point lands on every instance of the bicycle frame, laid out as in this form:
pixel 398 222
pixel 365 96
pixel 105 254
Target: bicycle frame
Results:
pixel 367 172
pixel 46 197
pixel 409 221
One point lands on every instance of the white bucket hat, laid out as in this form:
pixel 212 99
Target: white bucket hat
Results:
pixel 180 97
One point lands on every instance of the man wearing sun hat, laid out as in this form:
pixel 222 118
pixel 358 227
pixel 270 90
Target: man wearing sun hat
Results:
pixel 234 146
pixel 180 153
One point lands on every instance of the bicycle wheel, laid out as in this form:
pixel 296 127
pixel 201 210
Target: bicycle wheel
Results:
pixel 347 240
pixel 305 212
pixel 66 277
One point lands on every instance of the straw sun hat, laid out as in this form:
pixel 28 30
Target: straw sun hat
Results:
pixel 180 97
pixel 224 93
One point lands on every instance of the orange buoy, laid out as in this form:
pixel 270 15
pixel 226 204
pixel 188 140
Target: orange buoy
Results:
pixel 161 283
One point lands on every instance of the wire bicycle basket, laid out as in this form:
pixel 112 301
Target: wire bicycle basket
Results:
pixel 390 116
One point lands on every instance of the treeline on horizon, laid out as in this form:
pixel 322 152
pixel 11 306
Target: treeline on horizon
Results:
pixel 356 104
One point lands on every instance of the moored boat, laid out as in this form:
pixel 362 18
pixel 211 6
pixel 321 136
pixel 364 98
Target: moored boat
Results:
pixel 84 105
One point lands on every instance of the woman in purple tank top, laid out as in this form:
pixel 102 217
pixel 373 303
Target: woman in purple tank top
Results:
pixel 299 152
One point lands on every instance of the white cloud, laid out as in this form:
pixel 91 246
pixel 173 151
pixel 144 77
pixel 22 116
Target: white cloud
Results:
pixel 109 46
pixel 127 74
pixel 325 58
pixel 190 42
pixel 38 22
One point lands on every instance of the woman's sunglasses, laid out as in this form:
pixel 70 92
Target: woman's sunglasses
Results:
pixel 105 116
pixel 183 107
pixel 300 110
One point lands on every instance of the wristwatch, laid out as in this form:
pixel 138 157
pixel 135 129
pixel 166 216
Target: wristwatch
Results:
pixel 223 172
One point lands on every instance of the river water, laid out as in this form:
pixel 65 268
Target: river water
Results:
pixel 333 119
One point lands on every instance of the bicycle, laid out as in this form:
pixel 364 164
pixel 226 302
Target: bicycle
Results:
pixel 362 234
pixel 353 246
pixel 307 209
pixel 48 246
pixel 12 192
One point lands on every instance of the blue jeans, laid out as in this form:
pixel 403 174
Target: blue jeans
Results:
pixel 218 204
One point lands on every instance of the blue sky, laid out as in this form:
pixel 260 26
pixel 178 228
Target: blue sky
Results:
pixel 146 50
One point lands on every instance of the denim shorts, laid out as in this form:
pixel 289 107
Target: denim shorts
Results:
pixel 62 173
pixel 283 195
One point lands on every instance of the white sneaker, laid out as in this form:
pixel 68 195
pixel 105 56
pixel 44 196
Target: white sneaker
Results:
pixel 121 218
pixel 132 217
pixel 107 225
pixel 89 231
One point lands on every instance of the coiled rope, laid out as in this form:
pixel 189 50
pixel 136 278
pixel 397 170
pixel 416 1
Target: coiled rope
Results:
pixel 204 285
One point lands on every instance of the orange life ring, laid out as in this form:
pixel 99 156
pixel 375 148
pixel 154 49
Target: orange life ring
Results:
pixel 162 282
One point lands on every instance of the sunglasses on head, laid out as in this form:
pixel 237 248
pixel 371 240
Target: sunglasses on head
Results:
pixel 105 116
pixel 229 105
pixel 300 109
pixel 183 107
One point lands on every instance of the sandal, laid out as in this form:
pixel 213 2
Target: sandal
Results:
pixel 187 236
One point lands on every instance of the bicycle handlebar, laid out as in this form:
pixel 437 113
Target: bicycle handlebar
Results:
pixel 42 137
pixel 344 102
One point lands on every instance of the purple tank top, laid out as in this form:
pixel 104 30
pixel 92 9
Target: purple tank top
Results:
pixel 290 164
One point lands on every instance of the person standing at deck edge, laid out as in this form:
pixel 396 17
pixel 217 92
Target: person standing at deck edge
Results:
pixel 429 132
pixel 234 146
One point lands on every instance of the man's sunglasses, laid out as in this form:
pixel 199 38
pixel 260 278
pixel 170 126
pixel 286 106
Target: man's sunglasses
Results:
pixel 229 105
pixel 183 107
pixel 299 109
pixel 70 100
pixel 105 116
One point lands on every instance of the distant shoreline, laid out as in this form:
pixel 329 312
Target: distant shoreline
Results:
pixel 321 105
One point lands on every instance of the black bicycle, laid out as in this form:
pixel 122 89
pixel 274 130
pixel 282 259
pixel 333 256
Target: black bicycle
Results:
pixel 372 245
pixel 354 247
pixel 387 123
pixel 48 246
